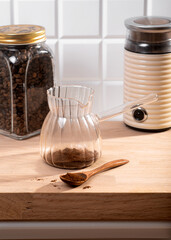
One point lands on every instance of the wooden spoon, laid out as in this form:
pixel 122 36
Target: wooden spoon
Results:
pixel 76 179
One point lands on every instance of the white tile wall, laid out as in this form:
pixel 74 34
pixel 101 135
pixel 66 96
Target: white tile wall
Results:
pixel 113 94
pixel 5 12
pixel 113 65
pixel 86 37
pixel 40 12
pixel 116 11
pixel 80 59
pixel 79 18
pixel 160 7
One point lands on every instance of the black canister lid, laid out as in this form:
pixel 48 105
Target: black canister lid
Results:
pixel 148 34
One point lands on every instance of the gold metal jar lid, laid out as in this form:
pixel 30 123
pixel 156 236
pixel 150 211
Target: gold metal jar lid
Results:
pixel 22 34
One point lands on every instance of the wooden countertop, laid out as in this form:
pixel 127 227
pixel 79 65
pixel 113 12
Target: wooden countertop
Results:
pixel 139 190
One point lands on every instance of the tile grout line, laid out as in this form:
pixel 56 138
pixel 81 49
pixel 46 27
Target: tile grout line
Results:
pixel 56 19
pixel 59 58
pixel 145 7
pixel 57 62
pixel 12 12
pixel 101 40
pixel 102 55
pixel 15 12
pixel 148 7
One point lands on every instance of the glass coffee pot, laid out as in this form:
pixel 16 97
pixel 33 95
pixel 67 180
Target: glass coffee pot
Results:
pixel 70 136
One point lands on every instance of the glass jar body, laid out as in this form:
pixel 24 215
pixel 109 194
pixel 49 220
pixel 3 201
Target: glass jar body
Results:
pixel 26 72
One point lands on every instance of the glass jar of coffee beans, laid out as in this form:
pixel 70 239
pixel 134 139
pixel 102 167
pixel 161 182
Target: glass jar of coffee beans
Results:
pixel 26 72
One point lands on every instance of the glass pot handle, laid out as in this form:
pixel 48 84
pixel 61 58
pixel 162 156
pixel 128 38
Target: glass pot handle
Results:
pixel 128 106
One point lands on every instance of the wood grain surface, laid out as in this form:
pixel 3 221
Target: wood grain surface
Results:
pixel 140 190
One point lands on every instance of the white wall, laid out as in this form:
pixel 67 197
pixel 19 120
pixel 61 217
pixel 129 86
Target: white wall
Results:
pixel 86 36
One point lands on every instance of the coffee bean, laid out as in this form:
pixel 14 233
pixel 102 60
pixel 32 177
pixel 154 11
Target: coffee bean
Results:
pixel 34 75
pixel 29 76
pixel 21 70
